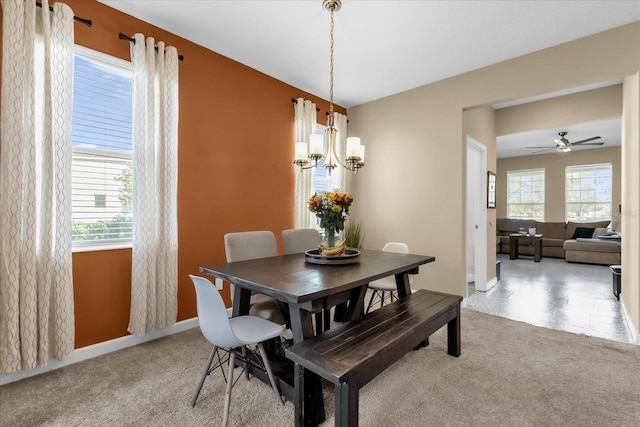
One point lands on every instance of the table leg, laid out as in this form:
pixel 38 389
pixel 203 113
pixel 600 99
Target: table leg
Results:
pixel 537 249
pixel 513 248
pixel 241 301
pixel 355 308
pixel 453 334
pixel 402 282
pixel 308 393
pixel 339 312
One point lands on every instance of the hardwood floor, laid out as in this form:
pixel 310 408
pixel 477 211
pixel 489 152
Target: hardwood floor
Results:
pixel 555 294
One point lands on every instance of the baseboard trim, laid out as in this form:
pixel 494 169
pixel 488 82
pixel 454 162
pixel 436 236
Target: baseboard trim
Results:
pixel 100 349
pixel 629 321
pixel 490 284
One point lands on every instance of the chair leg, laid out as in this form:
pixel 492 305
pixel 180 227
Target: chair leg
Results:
pixel 205 372
pixel 373 294
pixel 267 366
pixel 227 393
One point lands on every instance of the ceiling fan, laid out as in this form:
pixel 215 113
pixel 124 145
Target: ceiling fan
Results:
pixel 563 144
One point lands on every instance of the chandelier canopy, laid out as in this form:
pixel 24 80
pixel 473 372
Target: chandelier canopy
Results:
pixel 308 156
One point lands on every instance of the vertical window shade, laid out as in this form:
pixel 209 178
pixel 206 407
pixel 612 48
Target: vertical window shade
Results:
pixel 525 194
pixel 588 193
pixel 102 148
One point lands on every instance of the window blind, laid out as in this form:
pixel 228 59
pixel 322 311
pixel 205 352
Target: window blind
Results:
pixel 102 148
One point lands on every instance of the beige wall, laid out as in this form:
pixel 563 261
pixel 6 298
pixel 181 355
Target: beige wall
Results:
pixel 413 185
pixel 598 104
pixel 554 165
pixel 631 198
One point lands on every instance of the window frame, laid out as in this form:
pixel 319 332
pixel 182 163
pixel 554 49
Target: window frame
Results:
pixel 523 172
pixel 125 68
pixel 585 168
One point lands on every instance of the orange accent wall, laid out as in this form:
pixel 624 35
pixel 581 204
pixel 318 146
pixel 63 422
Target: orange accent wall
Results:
pixel 235 160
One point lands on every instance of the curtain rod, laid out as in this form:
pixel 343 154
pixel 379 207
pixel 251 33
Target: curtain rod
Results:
pixel 86 22
pixel 295 101
pixel 132 40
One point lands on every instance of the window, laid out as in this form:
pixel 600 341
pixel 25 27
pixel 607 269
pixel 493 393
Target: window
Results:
pixel 321 178
pixel 102 148
pixel 525 194
pixel 588 193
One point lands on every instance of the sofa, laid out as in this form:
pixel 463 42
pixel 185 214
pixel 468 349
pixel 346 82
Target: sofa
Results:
pixel 573 241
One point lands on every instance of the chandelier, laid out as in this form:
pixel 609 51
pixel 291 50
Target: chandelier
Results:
pixel 308 156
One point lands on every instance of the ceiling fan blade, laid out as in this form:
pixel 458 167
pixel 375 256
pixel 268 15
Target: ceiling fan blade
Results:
pixel 546 146
pixel 582 141
pixel 590 143
pixel 542 151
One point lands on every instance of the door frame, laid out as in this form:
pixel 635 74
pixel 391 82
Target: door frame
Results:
pixel 477 196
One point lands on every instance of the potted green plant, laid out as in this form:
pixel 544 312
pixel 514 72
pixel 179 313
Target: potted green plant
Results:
pixel 353 235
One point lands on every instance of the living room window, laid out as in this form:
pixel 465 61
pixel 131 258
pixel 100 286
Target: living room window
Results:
pixel 525 194
pixel 588 193
pixel 102 148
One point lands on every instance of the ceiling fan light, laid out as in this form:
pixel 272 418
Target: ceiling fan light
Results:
pixel 564 149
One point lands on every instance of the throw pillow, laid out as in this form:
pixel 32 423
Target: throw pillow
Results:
pixel 600 232
pixel 583 233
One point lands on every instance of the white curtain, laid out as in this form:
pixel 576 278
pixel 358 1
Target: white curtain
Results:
pixel 36 286
pixel 305 125
pixel 154 277
pixel 338 175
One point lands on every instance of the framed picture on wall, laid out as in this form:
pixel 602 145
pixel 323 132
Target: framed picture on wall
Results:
pixel 491 190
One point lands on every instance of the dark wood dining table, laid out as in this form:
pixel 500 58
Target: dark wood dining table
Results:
pixel 308 288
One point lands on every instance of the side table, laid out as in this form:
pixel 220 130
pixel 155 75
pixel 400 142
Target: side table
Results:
pixel 537 245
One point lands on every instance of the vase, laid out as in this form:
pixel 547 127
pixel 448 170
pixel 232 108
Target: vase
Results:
pixel 330 238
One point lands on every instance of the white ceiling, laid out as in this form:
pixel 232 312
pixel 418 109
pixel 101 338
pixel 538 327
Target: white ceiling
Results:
pixel 382 47
pixel 514 145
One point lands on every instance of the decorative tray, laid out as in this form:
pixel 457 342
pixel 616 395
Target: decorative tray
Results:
pixel 350 256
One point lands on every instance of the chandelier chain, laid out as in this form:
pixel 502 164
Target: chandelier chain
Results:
pixel 331 66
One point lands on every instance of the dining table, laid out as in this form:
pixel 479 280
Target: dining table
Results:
pixel 307 286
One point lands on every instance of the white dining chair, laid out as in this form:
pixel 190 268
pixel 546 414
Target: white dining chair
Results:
pixel 246 245
pixel 231 333
pixel 385 290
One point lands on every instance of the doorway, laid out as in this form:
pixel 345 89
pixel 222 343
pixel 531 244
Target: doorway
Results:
pixel 476 216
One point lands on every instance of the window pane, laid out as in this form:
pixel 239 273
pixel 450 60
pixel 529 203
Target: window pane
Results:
pixel 102 147
pixel 588 192
pixel 525 194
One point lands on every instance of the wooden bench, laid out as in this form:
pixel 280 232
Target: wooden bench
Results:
pixel 354 353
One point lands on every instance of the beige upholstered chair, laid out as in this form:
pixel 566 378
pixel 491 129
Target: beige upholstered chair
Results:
pixel 384 290
pixel 248 245
pixel 229 333
pixel 299 240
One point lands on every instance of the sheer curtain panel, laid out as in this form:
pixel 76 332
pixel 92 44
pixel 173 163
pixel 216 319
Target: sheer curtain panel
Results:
pixel 36 287
pixel 305 125
pixel 154 277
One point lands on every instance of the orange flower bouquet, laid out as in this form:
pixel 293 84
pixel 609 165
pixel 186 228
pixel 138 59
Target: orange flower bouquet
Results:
pixel 331 209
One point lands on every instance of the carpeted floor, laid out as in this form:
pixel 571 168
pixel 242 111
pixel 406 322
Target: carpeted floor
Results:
pixel 510 374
